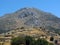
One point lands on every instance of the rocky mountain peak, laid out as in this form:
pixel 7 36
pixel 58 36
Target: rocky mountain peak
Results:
pixel 31 17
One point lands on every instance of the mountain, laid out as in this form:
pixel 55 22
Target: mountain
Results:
pixel 28 18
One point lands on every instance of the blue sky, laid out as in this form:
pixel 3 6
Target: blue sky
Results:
pixel 9 6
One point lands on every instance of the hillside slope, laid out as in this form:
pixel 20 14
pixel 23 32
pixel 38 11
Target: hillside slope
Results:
pixel 29 17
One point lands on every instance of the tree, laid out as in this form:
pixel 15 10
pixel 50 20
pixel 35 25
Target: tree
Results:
pixel 51 38
pixel 42 42
pixel 56 41
pixel 17 41
pixel 28 40
pixel 22 28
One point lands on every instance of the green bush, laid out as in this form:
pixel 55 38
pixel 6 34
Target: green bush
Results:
pixel 17 41
pixel 29 41
pixel 41 42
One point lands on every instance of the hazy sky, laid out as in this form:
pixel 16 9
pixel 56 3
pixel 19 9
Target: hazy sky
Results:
pixel 9 6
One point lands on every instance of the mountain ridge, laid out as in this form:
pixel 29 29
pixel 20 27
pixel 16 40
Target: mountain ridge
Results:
pixel 31 17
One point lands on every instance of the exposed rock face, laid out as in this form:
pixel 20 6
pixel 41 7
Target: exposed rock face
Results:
pixel 31 17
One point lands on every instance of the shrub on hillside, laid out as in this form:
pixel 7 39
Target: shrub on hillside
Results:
pixel 29 41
